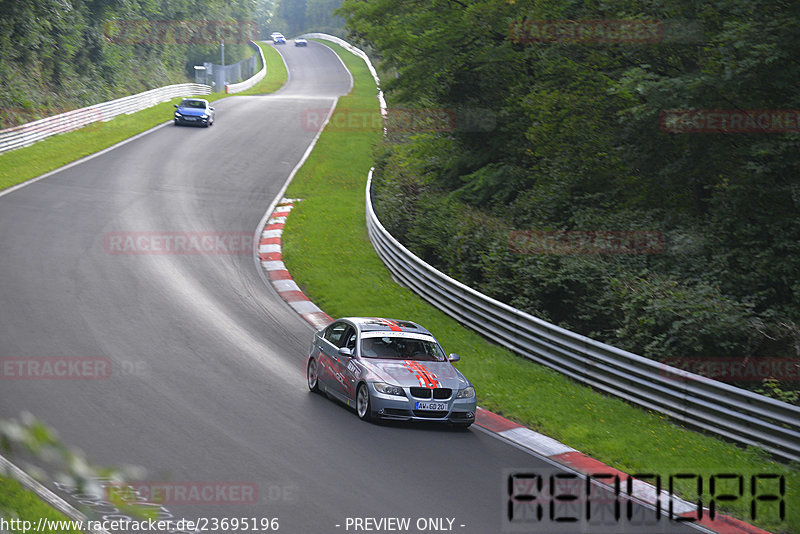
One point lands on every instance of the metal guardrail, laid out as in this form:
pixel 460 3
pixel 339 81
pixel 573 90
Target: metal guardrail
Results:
pixel 691 399
pixel 30 132
pixel 232 88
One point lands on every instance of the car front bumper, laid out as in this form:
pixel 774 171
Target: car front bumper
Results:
pixel 188 119
pixel 395 407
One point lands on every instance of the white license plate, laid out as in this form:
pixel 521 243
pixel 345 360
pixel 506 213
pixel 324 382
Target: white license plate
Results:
pixel 432 406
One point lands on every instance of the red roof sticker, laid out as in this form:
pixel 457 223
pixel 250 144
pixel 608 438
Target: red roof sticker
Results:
pixel 391 324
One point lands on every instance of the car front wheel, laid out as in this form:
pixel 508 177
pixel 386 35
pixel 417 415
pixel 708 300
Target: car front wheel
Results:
pixel 313 376
pixel 363 403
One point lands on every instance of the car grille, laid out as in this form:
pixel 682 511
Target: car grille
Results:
pixel 421 393
pixel 442 393
pixel 425 393
pixel 430 415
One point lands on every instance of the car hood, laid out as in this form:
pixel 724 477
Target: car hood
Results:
pixel 409 373
pixel 192 112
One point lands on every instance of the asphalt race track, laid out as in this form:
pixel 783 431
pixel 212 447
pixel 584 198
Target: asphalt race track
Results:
pixel 207 383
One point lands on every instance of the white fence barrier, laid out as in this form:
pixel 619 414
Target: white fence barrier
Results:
pixel 28 133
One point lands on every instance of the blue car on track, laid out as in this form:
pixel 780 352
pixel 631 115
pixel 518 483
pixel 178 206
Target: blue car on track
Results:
pixel 388 369
pixel 194 111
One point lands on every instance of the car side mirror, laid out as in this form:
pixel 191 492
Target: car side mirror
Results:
pixel 453 357
pixel 212 109
pixel 344 351
pixel 176 105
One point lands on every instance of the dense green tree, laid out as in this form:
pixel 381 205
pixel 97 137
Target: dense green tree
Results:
pixel 293 14
pixel 62 54
pixel 567 135
pixel 320 17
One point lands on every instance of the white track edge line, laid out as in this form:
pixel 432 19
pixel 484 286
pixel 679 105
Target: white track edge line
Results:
pixel 279 196
pixel 81 160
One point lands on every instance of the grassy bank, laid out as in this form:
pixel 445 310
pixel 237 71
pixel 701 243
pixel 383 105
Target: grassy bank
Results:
pixel 18 503
pixel 327 250
pixel 25 163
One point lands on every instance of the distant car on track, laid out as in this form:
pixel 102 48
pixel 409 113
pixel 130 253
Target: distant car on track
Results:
pixel 278 39
pixel 389 369
pixel 299 41
pixel 196 111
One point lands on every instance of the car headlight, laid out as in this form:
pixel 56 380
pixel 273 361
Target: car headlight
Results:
pixel 466 393
pixel 178 114
pixel 204 116
pixel 387 389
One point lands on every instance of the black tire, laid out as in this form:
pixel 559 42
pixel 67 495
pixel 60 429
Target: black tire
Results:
pixel 312 375
pixel 363 403
pixel 461 427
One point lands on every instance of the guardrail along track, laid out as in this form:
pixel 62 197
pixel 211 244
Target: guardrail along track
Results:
pixel 693 400
pixel 30 132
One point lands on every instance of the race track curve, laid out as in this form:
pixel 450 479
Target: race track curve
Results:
pixel 207 383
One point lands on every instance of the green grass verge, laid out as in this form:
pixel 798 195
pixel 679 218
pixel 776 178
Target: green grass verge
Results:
pixel 327 250
pixel 16 502
pixel 25 163
pixel 276 72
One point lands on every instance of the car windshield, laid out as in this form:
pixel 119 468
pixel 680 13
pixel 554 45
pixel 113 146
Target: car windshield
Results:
pixel 198 104
pixel 399 348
